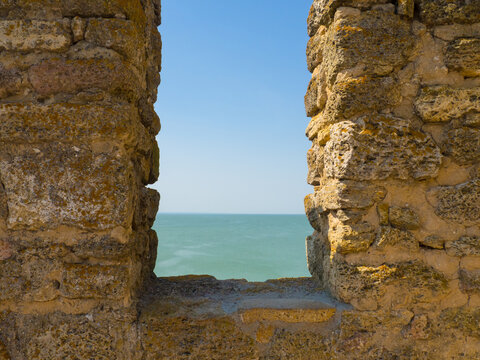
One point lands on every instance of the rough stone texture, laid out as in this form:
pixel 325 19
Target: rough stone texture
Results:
pixel 77 148
pixel 460 203
pixel 443 103
pixel 394 162
pixel 376 148
pixel 394 101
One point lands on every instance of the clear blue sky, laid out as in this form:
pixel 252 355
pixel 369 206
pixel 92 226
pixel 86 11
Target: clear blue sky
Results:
pixel 231 106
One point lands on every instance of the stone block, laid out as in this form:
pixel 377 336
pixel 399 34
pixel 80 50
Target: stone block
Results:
pixel 470 281
pixel 464 246
pixel 401 239
pixel 315 49
pixel 463 55
pixel 78 28
pixel 323 11
pixel 11 82
pixel 13 286
pixel 380 147
pixel 52 184
pixel 315 165
pixel 82 281
pixel 353 97
pixel 350 238
pixel 119 35
pixel 260 315
pixel 123 9
pixel 71 76
pixel 72 122
pixel 147 208
pixel 433 241
pixel 372 42
pixel 334 194
pixel 21 35
pixel 443 103
pixel 459 203
pixel 403 218
pixel 181 337
pixel 81 337
pixel 463 144
pixel 439 12
pixel 365 286
pixel 464 319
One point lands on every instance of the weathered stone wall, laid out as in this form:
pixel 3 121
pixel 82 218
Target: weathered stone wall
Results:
pixel 395 106
pixel 395 162
pixel 78 80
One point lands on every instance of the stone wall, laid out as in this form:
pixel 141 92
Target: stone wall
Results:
pixel 395 163
pixel 395 106
pixel 78 80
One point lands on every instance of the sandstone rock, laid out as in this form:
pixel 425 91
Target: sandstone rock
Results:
pixel 181 337
pixel 464 319
pixel 71 76
pixel 379 147
pixel 433 241
pixel 80 281
pixel 403 218
pixel 10 82
pixel 51 185
pixel 335 195
pixel 78 28
pixel 348 237
pixel 401 239
pixel 442 103
pixel 317 249
pixel 382 211
pixel 470 281
pixel 463 144
pixel 19 35
pixel 460 203
pixel 375 42
pixel 416 282
pixel 439 12
pixel 117 34
pixel 132 10
pixel 463 55
pixel 464 246
pixel 286 342
pixel 352 97
pixel 85 122
pixel 315 49
pixel 146 211
pixel 315 165
pixel 322 11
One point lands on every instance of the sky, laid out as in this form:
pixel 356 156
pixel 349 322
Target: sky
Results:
pixel 231 106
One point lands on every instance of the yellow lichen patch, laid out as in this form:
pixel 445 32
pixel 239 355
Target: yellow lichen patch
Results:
pixel 287 315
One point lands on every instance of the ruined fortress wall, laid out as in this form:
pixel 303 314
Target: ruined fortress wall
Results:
pixel 395 163
pixel 78 80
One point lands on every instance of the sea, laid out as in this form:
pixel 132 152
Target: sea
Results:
pixel 251 247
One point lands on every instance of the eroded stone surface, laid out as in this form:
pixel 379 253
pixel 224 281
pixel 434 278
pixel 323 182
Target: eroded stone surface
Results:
pixel 53 185
pixel 376 148
pixel 463 55
pixel 460 203
pixel 438 12
pixel 442 103
pixel 20 35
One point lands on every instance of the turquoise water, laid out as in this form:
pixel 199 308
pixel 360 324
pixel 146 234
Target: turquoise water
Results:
pixel 252 247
